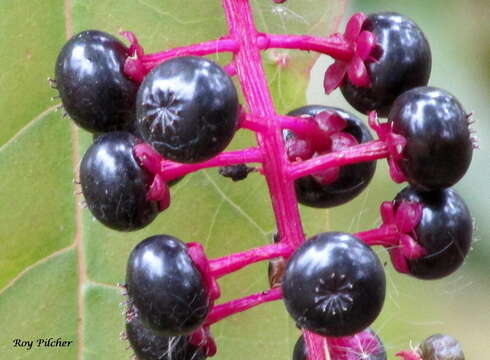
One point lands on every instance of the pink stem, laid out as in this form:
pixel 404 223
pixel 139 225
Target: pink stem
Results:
pixel 255 89
pixel 200 49
pixel 170 170
pixel 335 45
pixel 385 235
pixel 227 264
pixel 408 355
pixel 222 311
pixel 254 86
pixel 372 150
pixel 317 346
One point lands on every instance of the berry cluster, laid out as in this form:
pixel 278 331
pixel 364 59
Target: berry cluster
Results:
pixel 157 117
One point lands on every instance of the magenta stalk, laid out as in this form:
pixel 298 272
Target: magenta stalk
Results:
pixel 248 63
pixel 372 150
pixel 228 264
pixel 200 49
pixel 335 45
pixel 254 86
pixel 170 170
pixel 232 307
pixel 385 235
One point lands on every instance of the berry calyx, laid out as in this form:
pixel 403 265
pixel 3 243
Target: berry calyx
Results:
pixel 438 150
pixel 338 185
pixel 444 231
pixel 403 61
pixel 93 88
pixel 334 285
pixel 187 109
pixel 165 287
pixel 147 345
pixel 114 186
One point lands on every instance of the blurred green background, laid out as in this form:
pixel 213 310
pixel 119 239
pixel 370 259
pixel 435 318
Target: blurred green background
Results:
pixel 49 245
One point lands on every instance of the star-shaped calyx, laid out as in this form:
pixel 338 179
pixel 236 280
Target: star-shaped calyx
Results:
pixel 362 43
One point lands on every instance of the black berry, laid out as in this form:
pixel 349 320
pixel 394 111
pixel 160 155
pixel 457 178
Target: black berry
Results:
pixel 187 109
pixel 445 231
pixel 441 347
pixel 147 345
pixel 403 62
pixel 91 83
pixel 166 287
pixel 300 352
pixel 352 179
pixel 114 185
pixel 334 285
pixel 439 147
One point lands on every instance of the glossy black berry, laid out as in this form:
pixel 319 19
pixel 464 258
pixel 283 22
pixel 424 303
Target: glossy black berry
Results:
pixel 441 347
pixel 334 285
pixel 114 185
pixel 166 287
pixel 404 62
pixel 439 147
pixel 352 179
pixel 187 109
pixel 91 83
pixel 445 231
pixel 300 352
pixel 147 345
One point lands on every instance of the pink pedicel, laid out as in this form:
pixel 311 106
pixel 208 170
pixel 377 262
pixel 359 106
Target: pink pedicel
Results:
pixel 350 50
pixel 408 355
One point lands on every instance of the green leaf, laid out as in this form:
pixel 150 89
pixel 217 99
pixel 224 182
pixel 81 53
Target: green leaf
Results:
pixel 59 266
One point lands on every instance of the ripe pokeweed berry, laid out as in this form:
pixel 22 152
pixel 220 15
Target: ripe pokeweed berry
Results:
pixel 334 285
pixel 300 352
pixel 187 109
pixel 441 347
pixel 444 231
pixel 165 286
pixel 147 345
pixel 439 148
pixel 114 185
pixel 91 82
pixel 351 180
pixel 403 62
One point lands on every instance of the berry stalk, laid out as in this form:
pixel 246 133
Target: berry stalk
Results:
pixel 368 151
pixel 254 86
pixel 170 170
pixel 232 307
pixel 335 45
pixel 227 264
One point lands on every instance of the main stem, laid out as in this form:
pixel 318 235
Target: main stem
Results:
pixel 253 82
